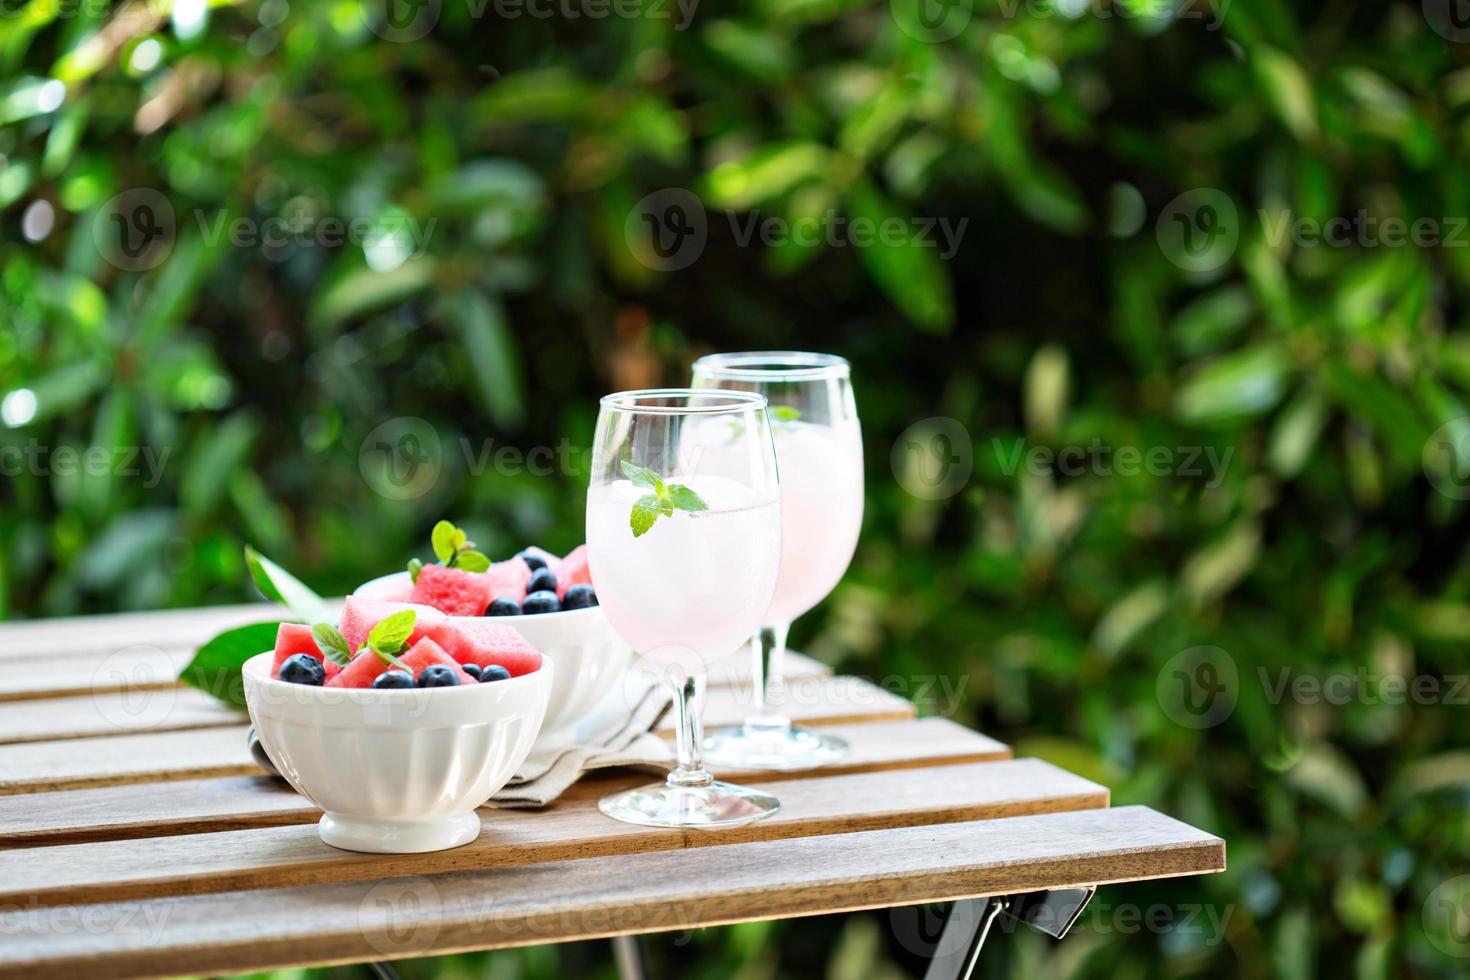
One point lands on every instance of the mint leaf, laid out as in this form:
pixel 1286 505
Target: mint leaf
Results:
pixel 414 567
pixel 471 561
pixel 332 644
pixel 392 633
pixel 685 499
pixel 642 476
pixel 646 510
pixel 215 669
pixel 279 585
pixel 442 539
pixel 785 413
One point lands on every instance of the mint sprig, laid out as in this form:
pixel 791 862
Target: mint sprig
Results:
pixel 386 639
pixel 332 644
pixel 390 636
pixel 454 549
pixel 662 502
pixel 785 413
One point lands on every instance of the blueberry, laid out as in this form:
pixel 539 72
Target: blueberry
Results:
pixel 541 602
pixel 439 675
pixel 579 597
pixel 303 668
pixel 503 607
pixel 494 672
pixel 472 669
pixel 389 679
pixel 542 580
pixel 535 561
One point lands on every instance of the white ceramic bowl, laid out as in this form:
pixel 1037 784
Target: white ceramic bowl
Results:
pixel 400 771
pixel 589 655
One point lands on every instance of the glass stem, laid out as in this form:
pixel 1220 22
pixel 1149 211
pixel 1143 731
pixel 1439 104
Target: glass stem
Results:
pixel 689 702
pixel 769 648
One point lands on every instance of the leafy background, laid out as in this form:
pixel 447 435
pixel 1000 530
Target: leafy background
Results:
pixel 1061 132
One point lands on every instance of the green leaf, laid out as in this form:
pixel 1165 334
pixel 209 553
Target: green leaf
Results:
pixel 207 473
pixel 215 669
pixel 1238 385
pixel 641 476
pixel 646 510
pixel 332 643
pixel 785 413
pixel 360 290
pixel 414 567
pixel 908 271
pixel 685 499
pixel 442 539
pixel 471 561
pixel 489 346
pixel 392 633
pixel 279 585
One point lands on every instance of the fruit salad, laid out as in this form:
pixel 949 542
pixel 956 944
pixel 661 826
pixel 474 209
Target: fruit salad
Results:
pixel 385 645
pixel 464 582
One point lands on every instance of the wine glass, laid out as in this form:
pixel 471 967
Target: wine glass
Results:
pixel 684 545
pixel 819 451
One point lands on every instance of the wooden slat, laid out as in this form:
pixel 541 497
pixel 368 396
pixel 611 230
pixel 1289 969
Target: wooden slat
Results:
pixel 571 828
pixel 237 803
pixel 112 713
pixel 62 636
pixel 581 899
pixel 219 751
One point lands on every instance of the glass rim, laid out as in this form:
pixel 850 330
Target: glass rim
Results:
pixel 773 365
pixel 727 402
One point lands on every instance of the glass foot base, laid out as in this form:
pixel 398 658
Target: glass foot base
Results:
pixel 714 805
pixel 780 749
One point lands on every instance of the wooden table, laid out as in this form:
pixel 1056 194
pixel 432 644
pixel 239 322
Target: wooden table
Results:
pixel 138 838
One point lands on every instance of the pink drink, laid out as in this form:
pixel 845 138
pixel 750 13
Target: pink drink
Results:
pixel 699 581
pixel 821 513
pixel 821 502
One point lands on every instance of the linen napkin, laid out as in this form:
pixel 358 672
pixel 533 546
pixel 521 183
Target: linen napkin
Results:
pixel 618 731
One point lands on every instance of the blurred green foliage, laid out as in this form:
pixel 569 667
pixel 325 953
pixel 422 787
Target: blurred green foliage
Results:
pixel 256 374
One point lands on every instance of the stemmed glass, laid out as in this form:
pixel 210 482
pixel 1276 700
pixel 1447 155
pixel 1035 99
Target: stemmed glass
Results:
pixel 684 545
pixel 819 451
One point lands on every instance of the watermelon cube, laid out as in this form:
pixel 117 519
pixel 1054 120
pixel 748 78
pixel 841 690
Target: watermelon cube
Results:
pixel 484 642
pixel 574 570
pixel 359 616
pixel 508 580
pixel 293 638
pixel 427 653
pixel 452 590
pixel 360 672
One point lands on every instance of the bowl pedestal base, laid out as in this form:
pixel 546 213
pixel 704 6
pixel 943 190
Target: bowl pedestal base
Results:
pixel 398 837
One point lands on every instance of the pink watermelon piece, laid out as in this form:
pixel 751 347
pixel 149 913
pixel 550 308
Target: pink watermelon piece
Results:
pixel 508 580
pixel 452 590
pixel 359 616
pixel 361 672
pixel 484 642
pixel 574 571
pixel 293 638
pixel 427 653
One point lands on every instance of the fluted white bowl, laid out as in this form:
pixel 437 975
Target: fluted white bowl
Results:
pixel 590 656
pixel 397 771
